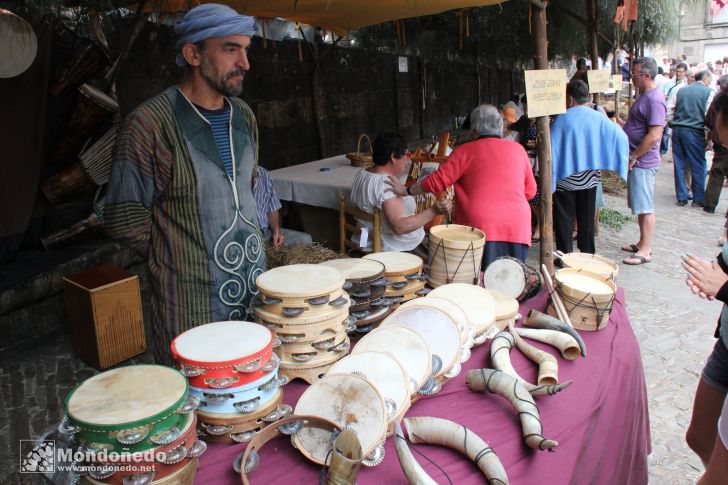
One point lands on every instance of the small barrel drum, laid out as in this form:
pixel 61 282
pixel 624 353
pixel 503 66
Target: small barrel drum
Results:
pixel 410 350
pixel 476 302
pixel 592 263
pixel 128 409
pixel 512 277
pixel 88 59
pixel 240 428
pixel 386 373
pixel 351 402
pixel 587 297
pixel 301 290
pixel 455 254
pixel 227 354
pixel 93 107
pixel 439 331
pixel 166 460
pixel 506 309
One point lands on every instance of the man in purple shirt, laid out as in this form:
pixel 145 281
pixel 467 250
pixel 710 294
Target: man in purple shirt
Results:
pixel 644 129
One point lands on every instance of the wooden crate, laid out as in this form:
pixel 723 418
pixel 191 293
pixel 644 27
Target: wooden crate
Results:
pixel 105 314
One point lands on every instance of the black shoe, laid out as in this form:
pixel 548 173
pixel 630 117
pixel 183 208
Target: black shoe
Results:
pixel 709 210
pixel 698 203
pixel 682 203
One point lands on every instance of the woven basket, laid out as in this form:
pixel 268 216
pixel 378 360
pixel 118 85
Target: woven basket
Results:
pixel 359 158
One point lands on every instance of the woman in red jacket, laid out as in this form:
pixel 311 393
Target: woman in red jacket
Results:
pixel 493 183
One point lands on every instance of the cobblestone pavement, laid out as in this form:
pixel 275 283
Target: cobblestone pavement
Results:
pixel 673 326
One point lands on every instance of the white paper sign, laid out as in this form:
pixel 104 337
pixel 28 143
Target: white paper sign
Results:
pixel 546 92
pixel 598 80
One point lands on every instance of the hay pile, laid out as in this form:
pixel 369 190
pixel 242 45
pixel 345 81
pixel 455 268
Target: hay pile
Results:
pixel 297 254
pixel 613 183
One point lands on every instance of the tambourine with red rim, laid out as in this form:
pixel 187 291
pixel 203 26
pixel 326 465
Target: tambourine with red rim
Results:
pixel 222 355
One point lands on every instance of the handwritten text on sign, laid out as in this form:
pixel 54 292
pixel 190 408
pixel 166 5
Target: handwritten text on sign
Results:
pixel 546 92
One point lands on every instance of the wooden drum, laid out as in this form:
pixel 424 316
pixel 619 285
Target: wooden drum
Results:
pixel 455 254
pixel 587 297
pixel 592 263
pixel 506 309
pixel 512 277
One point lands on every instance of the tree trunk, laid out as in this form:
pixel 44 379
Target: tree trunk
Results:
pixel 591 14
pixel 544 145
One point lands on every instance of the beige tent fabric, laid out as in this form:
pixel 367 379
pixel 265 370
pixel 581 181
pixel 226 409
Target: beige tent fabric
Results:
pixel 340 16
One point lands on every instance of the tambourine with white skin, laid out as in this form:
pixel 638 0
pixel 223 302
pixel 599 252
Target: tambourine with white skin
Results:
pixel 593 263
pixel 364 279
pixel 305 328
pixel 403 272
pixel 513 277
pixel 410 350
pixel 248 460
pixel 506 309
pixel 316 351
pixel 184 476
pixel 244 399
pixel 301 289
pixel 167 459
pixel 222 355
pixel 351 402
pixel 477 304
pixel 237 428
pixel 587 297
pixel 456 314
pixel 439 331
pixel 386 373
pixel 128 409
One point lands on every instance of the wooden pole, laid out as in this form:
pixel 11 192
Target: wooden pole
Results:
pixel 615 70
pixel 544 143
pixel 591 14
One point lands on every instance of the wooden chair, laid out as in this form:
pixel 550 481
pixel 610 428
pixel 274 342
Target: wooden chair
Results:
pixel 346 228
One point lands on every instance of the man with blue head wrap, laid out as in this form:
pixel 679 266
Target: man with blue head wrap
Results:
pixel 180 186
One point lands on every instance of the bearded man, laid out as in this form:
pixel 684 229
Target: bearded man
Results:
pixel 180 187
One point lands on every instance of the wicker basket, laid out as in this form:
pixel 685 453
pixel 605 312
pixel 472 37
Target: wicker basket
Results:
pixel 359 158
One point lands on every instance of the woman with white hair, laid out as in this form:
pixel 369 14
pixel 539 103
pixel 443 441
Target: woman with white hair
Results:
pixel 493 183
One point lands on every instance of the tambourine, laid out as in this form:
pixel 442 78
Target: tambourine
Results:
pixel 222 355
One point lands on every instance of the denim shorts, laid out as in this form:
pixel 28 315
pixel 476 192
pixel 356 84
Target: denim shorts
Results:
pixel 641 189
pixel 715 372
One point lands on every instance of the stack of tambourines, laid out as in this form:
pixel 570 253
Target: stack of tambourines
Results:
pixel 586 287
pixel 403 274
pixel 307 308
pixel 365 284
pixel 143 413
pixel 414 352
pixel 233 373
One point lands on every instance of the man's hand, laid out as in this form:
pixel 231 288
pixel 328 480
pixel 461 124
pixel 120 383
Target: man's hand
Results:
pixel 396 186
pixel 632 161
pixel 619 121
pixel 277 238
pixel 705 278
pixel 443 206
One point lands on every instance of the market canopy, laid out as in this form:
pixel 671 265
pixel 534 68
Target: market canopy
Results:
pixel 340 16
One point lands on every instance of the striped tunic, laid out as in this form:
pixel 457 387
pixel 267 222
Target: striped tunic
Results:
pixel 266 197
pixel 580 181
pixel 170 197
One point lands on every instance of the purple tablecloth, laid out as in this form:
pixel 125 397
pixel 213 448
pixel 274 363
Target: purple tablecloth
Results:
pixel 601 423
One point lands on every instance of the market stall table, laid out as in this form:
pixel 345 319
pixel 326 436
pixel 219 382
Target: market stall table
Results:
pixel 601 423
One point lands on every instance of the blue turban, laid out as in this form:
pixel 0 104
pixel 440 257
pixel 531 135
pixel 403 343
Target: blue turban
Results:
pixel 210 20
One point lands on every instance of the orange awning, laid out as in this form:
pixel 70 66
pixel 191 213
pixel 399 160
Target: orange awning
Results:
pixel 340 16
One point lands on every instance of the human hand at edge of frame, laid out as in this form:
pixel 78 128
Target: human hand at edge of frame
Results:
pixel 277 238
pixel 395 186
pixel 704 278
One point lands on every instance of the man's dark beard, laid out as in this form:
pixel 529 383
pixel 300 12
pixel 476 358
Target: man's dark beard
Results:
pixel 219 84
